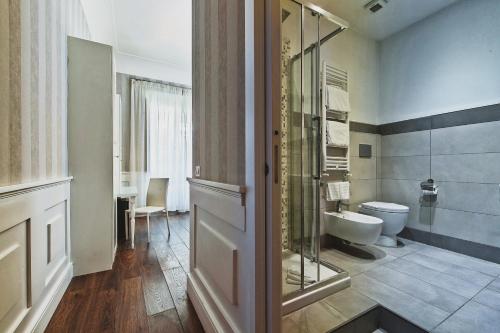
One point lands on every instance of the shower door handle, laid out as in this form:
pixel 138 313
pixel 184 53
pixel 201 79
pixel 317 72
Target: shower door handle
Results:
pixel 317 176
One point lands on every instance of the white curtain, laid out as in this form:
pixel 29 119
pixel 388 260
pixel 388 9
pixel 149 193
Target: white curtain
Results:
pixel 160 140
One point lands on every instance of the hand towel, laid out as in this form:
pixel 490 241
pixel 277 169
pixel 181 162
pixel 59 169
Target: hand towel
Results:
pixel 337 133
pixel 337 99
pixel 336 191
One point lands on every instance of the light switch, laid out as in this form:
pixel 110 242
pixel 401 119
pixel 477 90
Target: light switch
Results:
pixel 197 171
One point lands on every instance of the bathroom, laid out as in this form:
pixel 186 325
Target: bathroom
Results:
pixel 389 152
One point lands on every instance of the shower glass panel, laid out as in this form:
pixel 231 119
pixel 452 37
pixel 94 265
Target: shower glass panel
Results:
pixel 291 158
pixel 300 152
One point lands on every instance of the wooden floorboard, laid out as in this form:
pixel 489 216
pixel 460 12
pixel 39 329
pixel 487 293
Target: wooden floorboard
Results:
pixel 167 321
pixel 144 292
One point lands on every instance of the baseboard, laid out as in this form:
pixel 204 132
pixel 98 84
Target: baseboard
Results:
pixel 39 316
pixel 201 306
pixel 473 249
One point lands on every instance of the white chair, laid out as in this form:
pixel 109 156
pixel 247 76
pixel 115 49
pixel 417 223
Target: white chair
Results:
pixel 156 202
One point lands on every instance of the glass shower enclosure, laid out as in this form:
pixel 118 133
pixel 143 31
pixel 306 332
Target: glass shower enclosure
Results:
pixel 306 277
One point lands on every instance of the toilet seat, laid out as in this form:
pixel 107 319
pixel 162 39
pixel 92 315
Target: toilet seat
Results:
pixel 387 207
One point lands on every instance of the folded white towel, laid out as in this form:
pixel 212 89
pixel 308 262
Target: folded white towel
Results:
pixel 337 99
pixel 337 133
pixel 336 191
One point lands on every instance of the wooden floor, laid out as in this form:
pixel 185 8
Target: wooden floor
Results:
pixel 144 292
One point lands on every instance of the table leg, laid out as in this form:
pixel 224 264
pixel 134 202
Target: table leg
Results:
pixel 132 220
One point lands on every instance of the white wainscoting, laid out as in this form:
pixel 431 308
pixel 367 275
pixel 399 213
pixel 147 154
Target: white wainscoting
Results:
pixel 35 265
pixel 218 281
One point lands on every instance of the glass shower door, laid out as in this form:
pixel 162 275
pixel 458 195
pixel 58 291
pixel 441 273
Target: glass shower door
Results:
pixel 300 133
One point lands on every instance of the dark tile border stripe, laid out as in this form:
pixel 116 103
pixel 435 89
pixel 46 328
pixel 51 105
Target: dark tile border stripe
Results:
pixel 477 250
pixel 482 114
pixel 477 115
pixel 405 126
pixel 363 128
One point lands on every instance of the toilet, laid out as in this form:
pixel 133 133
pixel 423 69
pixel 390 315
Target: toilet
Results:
pixel 394 216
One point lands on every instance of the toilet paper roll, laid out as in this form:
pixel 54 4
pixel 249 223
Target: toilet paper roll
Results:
pixel 427 192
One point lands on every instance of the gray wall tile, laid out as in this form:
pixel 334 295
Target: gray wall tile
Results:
pixel 475 138
pixel 406 144
pixel 410 167
pixel 357 138
pixel 476 168
pixel 480 228
pixel 363 168
pixel 405 192
pixel 472 197
pixel 362 190
pixel 379 167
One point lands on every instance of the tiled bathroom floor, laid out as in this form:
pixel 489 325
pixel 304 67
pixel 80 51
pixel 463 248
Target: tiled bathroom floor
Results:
pixel 437 290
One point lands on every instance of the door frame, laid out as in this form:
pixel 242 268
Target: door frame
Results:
pixel 272 55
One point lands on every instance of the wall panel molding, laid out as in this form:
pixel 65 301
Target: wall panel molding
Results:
pixel 35 227
pixel 218 237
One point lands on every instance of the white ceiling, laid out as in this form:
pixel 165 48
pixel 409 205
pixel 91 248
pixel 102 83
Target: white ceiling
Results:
pixel 395 16
pixel 154 30
pixel 160 30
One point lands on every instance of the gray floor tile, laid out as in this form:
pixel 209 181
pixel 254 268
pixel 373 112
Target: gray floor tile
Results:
pixel 354 264
pixel 489 297
pixel 471 318
pixel 444 266
pixel 350 303
pixel 431 294
pixel 495 285
pixel 401 251
pixel 471 263
pixel 319 317
pixel 449 282
pixel 407 306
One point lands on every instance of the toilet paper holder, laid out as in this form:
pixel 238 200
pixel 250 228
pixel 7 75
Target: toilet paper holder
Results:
pixel 429 187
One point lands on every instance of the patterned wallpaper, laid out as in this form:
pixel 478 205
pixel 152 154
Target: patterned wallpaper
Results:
pixel 219 90
pixel 33 87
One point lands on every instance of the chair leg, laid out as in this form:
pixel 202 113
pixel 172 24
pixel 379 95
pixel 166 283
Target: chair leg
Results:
pixel 127 222
pixel 149 235
pixel 132 232
pixel 168 223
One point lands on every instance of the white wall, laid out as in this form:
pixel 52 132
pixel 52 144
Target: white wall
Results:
pixel 129 64
pixel 358 56
pixel 447 62
pixel 99 15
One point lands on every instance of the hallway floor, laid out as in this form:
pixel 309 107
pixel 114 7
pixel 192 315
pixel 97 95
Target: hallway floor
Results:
pixel 144 292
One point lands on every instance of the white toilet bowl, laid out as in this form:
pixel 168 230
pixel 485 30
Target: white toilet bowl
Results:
pixel 394 216
pixel 353 227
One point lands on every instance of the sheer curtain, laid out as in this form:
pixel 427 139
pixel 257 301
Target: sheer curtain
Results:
pixel 160 140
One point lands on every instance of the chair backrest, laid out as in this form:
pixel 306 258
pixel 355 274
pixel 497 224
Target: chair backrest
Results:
pixel 157 192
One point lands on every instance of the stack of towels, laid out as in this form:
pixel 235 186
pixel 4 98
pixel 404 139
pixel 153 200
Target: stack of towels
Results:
pixel 293 277
pixel 337 99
